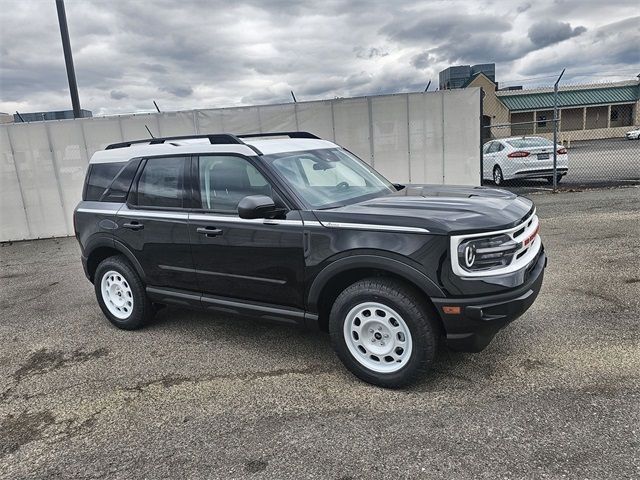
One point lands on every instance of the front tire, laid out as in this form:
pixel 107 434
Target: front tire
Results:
pixel 383 332
pixel 121 294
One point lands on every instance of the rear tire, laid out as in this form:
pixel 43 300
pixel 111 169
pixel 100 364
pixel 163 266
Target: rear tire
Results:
pixel 384 332
pixel 498 178
pixel 550 179
pixel 121 294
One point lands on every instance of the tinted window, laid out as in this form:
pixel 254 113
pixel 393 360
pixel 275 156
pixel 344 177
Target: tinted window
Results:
pixel 495 147
pixel 120 186
pixel 99 178
pixel 224 181
pixel 161 183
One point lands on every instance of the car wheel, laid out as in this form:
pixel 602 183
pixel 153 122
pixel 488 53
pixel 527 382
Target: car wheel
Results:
pixel 383 332
pixel 498 179
pixel 550 179
pixel 121 294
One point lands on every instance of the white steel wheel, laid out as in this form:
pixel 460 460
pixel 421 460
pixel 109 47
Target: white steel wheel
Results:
pixel 116 294
pixel 377 337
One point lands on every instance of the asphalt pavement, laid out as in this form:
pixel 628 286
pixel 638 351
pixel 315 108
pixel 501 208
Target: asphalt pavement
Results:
pixel 556 395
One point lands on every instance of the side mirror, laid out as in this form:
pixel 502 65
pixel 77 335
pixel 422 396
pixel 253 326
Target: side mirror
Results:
pixel 257 206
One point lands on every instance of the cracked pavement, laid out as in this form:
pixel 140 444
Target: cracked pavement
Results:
pixel 556 395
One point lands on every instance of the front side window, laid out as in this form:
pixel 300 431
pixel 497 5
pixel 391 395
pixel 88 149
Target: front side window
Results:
pixel 329 178
pixel 225 180
pixel 161 183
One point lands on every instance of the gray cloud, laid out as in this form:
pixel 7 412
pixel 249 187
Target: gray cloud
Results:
pixel 212 53
pixel 546 33
pixel 117 95
pixel 371 52
pixel 178 91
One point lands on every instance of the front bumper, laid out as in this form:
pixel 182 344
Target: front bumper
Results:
pixel 481 318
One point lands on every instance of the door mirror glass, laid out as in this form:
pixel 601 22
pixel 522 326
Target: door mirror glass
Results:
pixel 258 206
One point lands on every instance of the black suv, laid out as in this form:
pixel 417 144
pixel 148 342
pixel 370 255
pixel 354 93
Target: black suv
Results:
pixel 292 228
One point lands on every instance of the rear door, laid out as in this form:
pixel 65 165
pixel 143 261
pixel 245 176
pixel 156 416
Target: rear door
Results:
pixel 154 222
pixel 256 260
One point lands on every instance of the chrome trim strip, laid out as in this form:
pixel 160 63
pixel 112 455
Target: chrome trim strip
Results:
pixel 154 214
pixel 312 223
pixel 232 219
pixel 97 210
pixel 380 228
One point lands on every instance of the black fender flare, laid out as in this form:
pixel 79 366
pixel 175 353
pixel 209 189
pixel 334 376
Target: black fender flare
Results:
pixel 110 242
pixel 403 270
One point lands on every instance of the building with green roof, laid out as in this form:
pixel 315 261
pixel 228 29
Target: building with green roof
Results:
pixel 602 110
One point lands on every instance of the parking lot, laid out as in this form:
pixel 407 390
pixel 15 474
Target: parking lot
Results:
pixel 556 395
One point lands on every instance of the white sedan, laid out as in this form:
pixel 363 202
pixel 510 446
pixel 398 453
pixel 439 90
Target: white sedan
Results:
pixel 633 134
pixel 522 157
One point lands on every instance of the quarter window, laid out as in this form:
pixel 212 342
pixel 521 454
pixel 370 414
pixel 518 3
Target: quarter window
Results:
pixel 161 183
pixel 225 180
pixel 100 177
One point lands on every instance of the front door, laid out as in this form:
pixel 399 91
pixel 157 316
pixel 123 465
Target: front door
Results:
pixel 154 223
pixel 257 260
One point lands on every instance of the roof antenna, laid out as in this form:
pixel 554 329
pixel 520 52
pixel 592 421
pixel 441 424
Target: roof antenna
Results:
pixel 156 105
pixel 294 97
pixel 149 131
pixel 428 85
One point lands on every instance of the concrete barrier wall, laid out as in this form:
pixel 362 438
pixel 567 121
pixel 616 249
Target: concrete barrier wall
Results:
pixel 415 137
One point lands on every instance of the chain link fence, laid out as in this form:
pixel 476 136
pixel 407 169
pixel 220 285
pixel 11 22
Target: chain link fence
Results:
pixel 596 127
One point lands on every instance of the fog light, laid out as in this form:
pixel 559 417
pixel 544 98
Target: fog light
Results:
pixel 451 310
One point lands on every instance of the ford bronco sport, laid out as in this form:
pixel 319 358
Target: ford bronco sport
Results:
pixel 293 228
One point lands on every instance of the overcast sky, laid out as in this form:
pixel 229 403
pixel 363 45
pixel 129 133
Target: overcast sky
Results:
pixel 201 54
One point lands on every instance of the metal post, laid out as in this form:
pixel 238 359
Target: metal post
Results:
pixel 68 58
pixel 555 132
pixel 482 127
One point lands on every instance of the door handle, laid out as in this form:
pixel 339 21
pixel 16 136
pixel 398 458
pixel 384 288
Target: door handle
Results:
pixel 209 231
pixel 133 225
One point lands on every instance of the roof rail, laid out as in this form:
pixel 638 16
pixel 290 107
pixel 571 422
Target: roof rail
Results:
pixel 214 139
pixel 280 134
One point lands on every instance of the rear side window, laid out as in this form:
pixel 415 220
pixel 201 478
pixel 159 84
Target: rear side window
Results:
pixel 162 183
pixel 120 186
pixel 99 178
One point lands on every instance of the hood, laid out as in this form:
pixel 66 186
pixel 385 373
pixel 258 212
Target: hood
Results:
pixel 441 209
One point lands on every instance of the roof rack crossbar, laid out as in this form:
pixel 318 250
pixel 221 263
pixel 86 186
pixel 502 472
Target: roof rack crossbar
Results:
pixel 214 139
pixel 280 134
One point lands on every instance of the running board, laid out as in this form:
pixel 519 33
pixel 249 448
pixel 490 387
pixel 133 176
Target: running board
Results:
pixel 279 314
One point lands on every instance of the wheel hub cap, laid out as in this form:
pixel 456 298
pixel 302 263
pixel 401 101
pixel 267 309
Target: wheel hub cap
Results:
pixel 377 337
pixel 117 294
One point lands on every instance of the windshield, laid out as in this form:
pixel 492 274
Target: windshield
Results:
pixel 530 142
pixel 329 178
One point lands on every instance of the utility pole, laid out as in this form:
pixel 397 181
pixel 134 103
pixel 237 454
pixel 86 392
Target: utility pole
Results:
pixel 68 58
pixel 555 132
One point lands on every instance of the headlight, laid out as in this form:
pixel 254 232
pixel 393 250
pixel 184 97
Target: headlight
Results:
pixel 487 252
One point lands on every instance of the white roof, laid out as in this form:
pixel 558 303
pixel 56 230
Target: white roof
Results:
pixel 279 145
pixel 189 147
